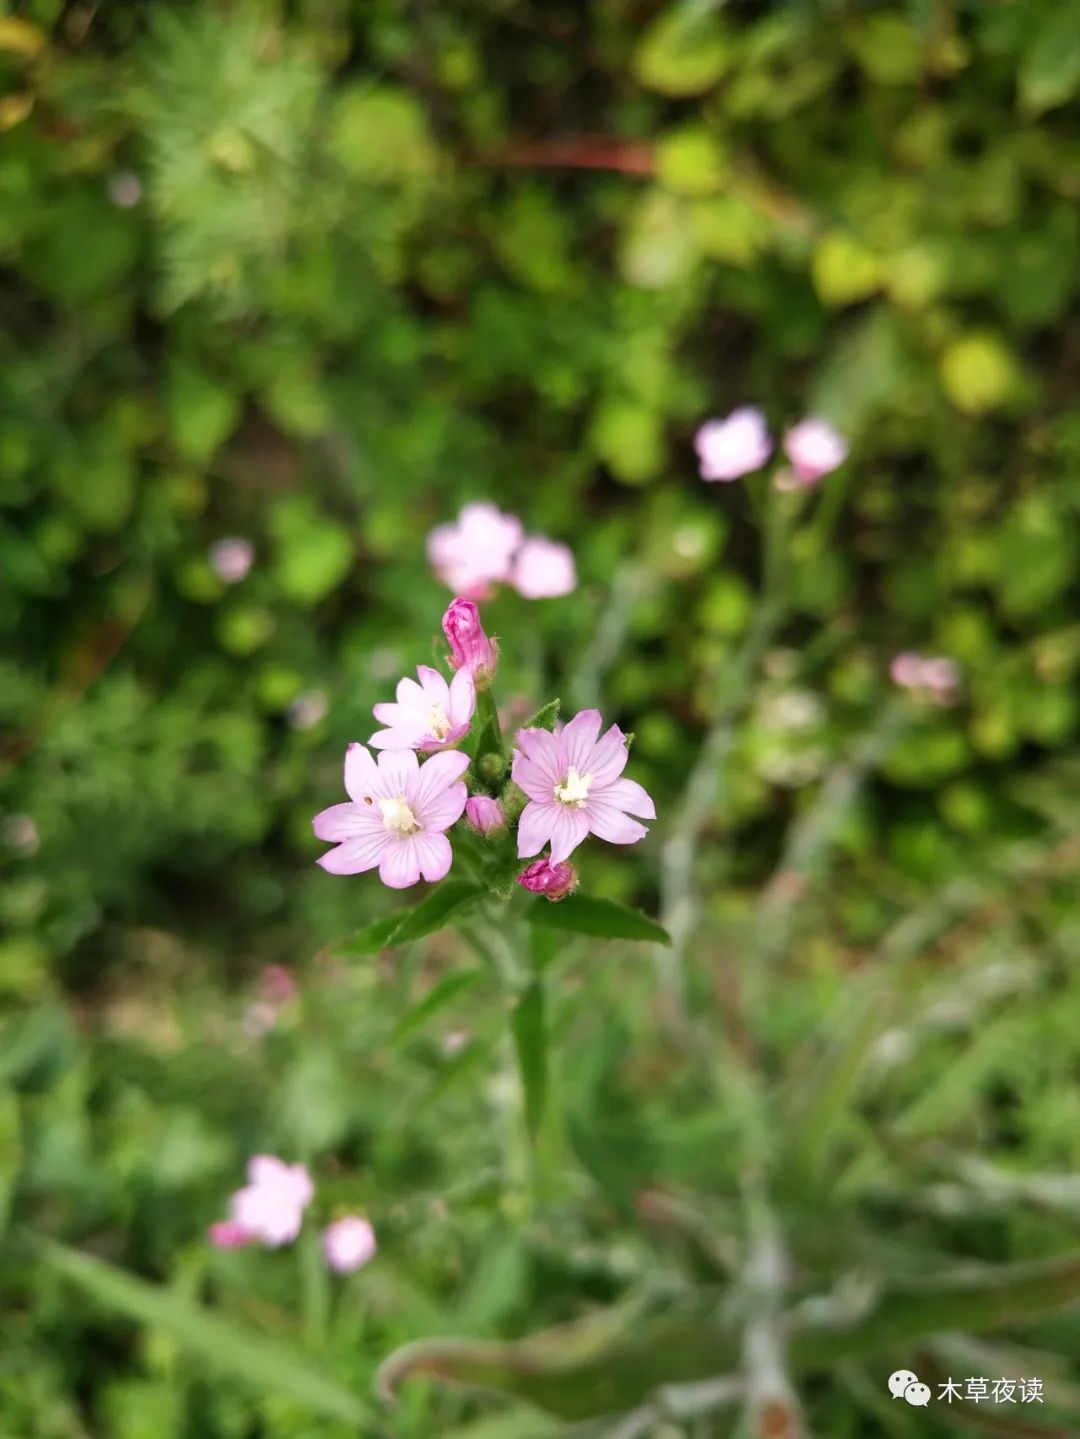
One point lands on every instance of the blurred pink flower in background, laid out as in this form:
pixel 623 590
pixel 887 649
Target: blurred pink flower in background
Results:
pixel 470 648
pixel 476 552
pixel 349 1244
pixel 728 449
pixel 429 715
pixel 486 547
pixel 20 833
pixel 484 813
pixel 227 1234
pixel 124 189
pixel 544 569
pixel 554 881
pixel 936 677
pixel 396 816
pixel 231 559
pixel 276 984
pixel 574 787
pixel 307 710
pixel 815 449
pixel 270 1208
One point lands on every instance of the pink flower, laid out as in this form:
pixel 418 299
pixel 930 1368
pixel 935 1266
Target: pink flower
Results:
pixel 936 679
pixel 476 552
pixel 431 715
pixel 230 559
pixel 277 984
pixel 728 449
pixel 349 1244
pixel 470 649
pixel 815 449
pixel 397 815
pixel 271 1207
pixel 226 1234
pixel 554 881
pixel 307 710
pixel 574 787
pixel 543 569
pixel 484 813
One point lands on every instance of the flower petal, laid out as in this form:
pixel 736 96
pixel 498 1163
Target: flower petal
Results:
pixel 400 864
pixel 541 749
pixel 569 828
pixel 436 775
pixel 607 822
pixel 397 768
pixel 355 856
pixel 442 810
pixel 433 854
pixel 534 828
pixel 343 821
pixel 361 775
pixel 626 794
pixel 462 702
pixel 609 756
pixel 433 687
pixel 409 693
pixel 578 738
pixel 537 780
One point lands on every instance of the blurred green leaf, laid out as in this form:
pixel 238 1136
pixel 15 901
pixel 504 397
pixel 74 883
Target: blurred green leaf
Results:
pixel 438 998
pixel 684 51
pixel 1049 73
pixel 270 1368
pixel 600 918
pixel 530 1041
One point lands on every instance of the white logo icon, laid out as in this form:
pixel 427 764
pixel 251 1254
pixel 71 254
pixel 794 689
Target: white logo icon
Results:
pixel 903 1384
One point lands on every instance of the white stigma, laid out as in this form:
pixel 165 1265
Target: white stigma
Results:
pixel 438 722
pixel 574 789
pixel 397 816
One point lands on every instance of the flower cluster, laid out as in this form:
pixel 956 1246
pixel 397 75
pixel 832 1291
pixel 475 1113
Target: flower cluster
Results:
pixel 728 449
pixel 565 784
pixel 487 548
pixel 269 1210
pixel 935 678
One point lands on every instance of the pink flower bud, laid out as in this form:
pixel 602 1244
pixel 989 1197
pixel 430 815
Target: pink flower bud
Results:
pixel 470 648
pixel 484 814
pixel 553 881
pixel 349 1244
pixel 227 1234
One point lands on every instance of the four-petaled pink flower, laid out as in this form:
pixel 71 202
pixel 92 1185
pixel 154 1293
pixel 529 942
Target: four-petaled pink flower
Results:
pixel 396 816
pixel 271 1207
pixel 728 449
pixel 574 787
pixel 543 569
pixel 553 881
pixel 484 814
pixel 476 552
pixel 815 449
pixel 471 650
pixel 431 715
pixel 349 1244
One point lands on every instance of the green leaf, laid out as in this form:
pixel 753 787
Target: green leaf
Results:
pixel 530 1041
pixel 487 734
pixel 437 998
pixel 406 925
pixel 202 411
pixel 545 717
pixel 601 918
pixel 614 1359
pixel 267 1366
pixel 683 52
pixel 1049 73
pixel 10 1152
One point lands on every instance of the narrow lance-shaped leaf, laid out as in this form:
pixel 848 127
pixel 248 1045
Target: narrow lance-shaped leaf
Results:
pixel 452 897
pixel 530 1041
pixel 545 717
pixel 611 1362
pixel 599 918
pixel 267 1366
pixel 436 999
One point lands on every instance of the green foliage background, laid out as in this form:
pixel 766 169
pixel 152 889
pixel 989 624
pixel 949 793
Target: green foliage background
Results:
pixel 315 274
